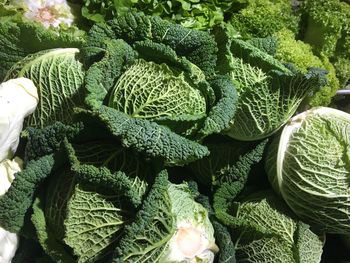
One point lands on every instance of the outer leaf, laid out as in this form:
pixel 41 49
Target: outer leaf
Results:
pixel 145 240
pixel 308 245
pixel 144 136
pixel 41 142
pixel 101 76
pixel 18 199
pixel 94 220
pixel 116 181
pixel 127 172
pixel 254 56
pixel 226 246
pixel 233 181
pixel 223 111
pixel 213 170
pixel 46 237
pixel 266 232
pixel 268 92
pixel 15 45
pixel 266 102
pixel 58 76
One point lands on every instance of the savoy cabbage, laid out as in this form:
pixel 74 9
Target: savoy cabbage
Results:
pixel 308 165
pixel 153 85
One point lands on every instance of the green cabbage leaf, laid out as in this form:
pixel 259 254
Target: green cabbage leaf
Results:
pixel 264 229
pixel 58 76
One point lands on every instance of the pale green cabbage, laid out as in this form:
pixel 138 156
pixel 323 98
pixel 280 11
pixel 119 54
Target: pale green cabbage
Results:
pixel 58 76
pixel 309 166
pixel 265 230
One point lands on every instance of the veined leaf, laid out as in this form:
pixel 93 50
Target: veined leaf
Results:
pixel 58 76
pixel 94 220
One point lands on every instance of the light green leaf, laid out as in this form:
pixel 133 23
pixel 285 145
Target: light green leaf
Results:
pixel 93 223
pixel 58 76
pixel 150 91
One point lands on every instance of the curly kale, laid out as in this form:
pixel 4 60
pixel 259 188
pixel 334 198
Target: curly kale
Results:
pixel 325 24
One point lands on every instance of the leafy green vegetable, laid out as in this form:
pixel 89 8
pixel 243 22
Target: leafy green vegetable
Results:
pixel 263 229
pixel 58 76
pixel 308 165
pixel 139 80
pixel 263 18
pixel 170 227
pixel 191 14
pixel 269 92
pixel 15 45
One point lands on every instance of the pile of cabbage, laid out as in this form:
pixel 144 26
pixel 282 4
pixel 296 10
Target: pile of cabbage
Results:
pixel 138 139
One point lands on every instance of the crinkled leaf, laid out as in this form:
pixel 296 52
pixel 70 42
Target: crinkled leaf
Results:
pixel 149 91
pixel 46 237
pixel 198 47
pixel 94 221
pixel 58 76
pixel 263 229
pixel 233 179
pixel 15 45
pixel 18 199
pixel 144 136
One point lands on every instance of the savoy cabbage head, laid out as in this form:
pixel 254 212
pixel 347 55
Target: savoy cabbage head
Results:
pixel 170 227
pixel 92 197
pixel 308 165
pixel 269 92
pixel 153 85
pixel 264 230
